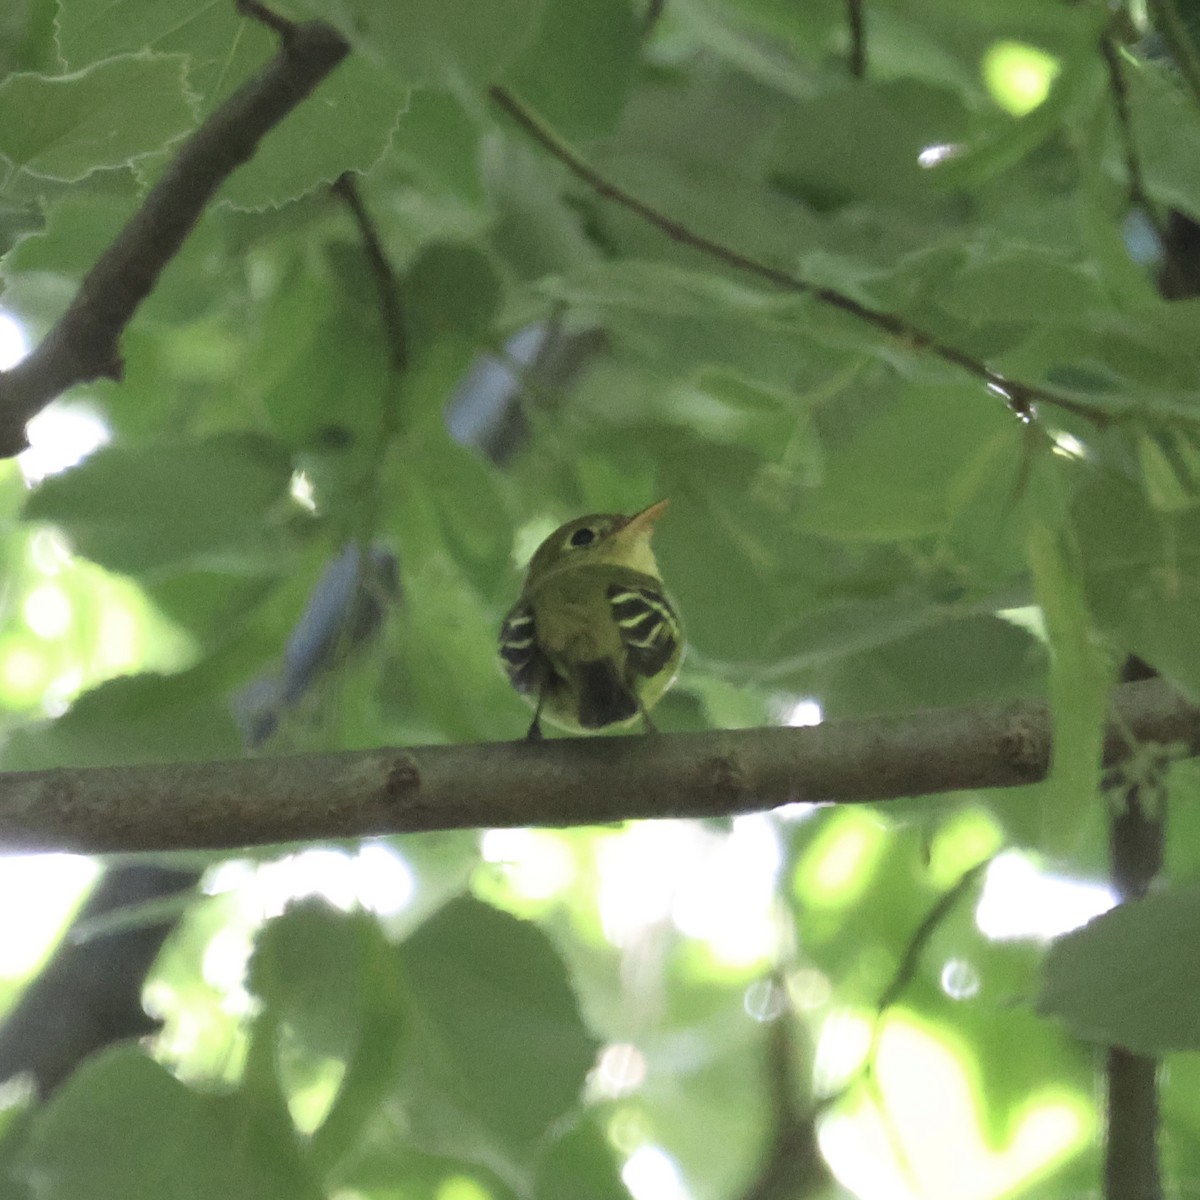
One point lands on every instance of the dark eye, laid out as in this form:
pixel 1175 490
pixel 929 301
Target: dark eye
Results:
pixel 583 537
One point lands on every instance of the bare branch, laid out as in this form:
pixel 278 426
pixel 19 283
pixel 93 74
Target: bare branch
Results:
pixel 85 343
pixel 568 781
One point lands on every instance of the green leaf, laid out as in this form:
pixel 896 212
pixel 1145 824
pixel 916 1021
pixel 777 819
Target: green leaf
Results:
pixel 124 1128
pixel 900 475
pixel 445 646
pixel 883 129
pixel 134 508
pixel 499 1038
pixel 264 1129
pixel 1022 285
pixel 78 229
pixel 580 1164
pixel 308 969
pixel 1076 87
pixel 1164 479
pixel 1166 128
pixel 955 659
pixel 466 43
pixel 68 126
pixel 321 366
pixel 1143 359
pixel 334 980
pixel 219 44
pixel 449 290
pixel 1081 677
pixel 1129 978
pixel 345 125
pixel 438 142
pixel 136 718
pixel 1142 574
pixel 719 529
pixel 578 71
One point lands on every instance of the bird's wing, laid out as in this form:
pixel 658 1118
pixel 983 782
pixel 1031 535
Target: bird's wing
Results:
pixel 648 624
pixel 519 654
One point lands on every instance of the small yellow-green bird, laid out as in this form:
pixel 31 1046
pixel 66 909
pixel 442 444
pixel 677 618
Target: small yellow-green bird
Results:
pixel 593 640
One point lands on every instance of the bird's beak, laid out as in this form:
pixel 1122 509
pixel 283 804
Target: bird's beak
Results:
pixel 643 522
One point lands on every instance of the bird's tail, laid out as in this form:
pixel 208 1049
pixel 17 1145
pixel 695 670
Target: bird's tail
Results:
pixel 604 697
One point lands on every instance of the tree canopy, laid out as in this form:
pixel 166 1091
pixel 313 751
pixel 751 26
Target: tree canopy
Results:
pixel 332 310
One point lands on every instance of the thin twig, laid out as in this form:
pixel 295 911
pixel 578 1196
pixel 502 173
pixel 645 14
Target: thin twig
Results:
pixel 1119 90
pixel 85 342
pixel 907 966
pixel 387 286
pixel 856 19
pixel 1021 396
pixel 903 975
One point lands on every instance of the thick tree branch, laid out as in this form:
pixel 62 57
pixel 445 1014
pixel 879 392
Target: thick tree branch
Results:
pixel 568 781
pixel 1137 844
pixel 89 994
pixel 84 344
pixel 1021 396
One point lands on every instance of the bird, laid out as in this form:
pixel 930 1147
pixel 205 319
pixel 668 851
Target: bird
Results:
pixel 593 641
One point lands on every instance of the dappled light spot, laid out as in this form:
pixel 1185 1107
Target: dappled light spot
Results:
pixel 715 887
pixel 809 990
pixel 535 864
pixel 837 867
pixel 376 878
pixel 920 1133
pixel 621 1070
pixel 959 979
pixel 14 343
pixel 1020 901
pixel 803 712
pixel 942 152
pixel 48 610
pixel 1019 76
pixel 45 890
pixel 842 1047
pixel 301 489
pixel 650 1173
pixel 61 436
pixel 765 999
pixel 462 1187
pixel 24 671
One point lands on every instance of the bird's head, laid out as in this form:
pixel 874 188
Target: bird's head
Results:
pixel 601 538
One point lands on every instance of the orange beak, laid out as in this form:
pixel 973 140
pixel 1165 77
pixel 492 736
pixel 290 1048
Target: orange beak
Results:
pixel 643 522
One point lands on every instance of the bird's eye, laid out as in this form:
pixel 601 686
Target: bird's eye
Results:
pixel 583 537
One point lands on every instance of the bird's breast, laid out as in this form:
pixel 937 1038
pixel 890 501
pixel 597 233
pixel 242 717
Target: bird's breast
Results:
pixel 573 618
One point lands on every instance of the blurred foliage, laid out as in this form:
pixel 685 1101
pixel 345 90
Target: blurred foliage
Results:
pixel 591 1013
